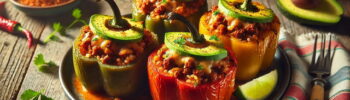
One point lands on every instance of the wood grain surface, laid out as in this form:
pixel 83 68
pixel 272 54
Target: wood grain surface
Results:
pixel 18 72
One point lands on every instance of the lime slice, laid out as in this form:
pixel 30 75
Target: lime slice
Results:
pixel 259 88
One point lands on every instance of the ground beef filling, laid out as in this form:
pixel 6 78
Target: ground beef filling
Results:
pixel 109 51
pixel 189 69
pixel 159 8
pixel 244 30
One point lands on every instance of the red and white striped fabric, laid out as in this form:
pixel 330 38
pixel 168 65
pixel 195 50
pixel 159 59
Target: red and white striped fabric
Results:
pixel 299 50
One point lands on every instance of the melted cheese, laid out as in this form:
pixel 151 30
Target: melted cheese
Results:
pixel 182 59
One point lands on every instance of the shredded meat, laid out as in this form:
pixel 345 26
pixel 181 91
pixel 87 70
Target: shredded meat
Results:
pixel 109 51
pixel 190 69
pixel 158 8
pixel 250 31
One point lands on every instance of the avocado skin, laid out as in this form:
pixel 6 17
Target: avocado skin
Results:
pixel 302 20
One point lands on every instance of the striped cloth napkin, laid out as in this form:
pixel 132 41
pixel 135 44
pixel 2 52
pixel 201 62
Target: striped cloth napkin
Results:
pixel 299 50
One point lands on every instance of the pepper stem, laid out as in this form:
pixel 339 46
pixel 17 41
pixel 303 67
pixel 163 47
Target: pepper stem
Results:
pixel 198 38
pixel 247 5
pixel 118 21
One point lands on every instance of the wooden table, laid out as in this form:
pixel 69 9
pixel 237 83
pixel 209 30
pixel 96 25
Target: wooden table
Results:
pixel 18 72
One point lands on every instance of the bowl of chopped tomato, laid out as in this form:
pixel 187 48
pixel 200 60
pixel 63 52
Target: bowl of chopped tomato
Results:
pixel 45 7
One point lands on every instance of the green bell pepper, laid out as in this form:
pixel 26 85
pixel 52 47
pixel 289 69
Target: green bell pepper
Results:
pixel 86 69
pixel 115 80
pixel 159 25
pixel 123 80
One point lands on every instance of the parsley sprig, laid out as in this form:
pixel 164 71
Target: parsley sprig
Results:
pixel 42 65
pixel 34 95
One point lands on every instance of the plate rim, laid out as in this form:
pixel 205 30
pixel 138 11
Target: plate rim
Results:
pixel 280 92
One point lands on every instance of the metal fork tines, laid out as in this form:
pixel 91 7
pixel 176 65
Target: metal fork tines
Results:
pixel 321 67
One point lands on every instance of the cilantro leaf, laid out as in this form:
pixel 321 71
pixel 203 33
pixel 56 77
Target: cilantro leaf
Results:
pixel 180 41
pixel 33 95
pixel 41 64
pixel 83 21
pixel 52 36
pixel 95 38
pixel 199 67
pixel 29 94
pixel 214 37
pixel 58 28
pixel 39 60
pixel 76 13
pixel 216 12
pixel 133 19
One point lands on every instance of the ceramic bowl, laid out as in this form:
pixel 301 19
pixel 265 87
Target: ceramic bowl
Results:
pixel 47 10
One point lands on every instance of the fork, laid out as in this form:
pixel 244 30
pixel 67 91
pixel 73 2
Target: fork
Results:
pixel 321 68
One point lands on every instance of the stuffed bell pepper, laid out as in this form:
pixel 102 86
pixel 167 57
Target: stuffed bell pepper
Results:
pixel 248 30
pixel 191 66
pixel 154 14
pixel 110 54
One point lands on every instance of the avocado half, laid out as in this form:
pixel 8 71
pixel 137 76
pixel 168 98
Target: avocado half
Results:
pixel 328 12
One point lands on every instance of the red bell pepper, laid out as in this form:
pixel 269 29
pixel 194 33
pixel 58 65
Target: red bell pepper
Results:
pixel 166 87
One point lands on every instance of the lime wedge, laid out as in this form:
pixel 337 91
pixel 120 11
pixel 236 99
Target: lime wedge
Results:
pixel 259 88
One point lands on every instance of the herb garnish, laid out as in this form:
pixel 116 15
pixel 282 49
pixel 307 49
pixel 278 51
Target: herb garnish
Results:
pixel 95 38
pixel 34 95
pixel 41 64
pixel 199 67
pixel 180 41
pixel 214 37
pixel 77 15
pixel 216 12
pixel 58 28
